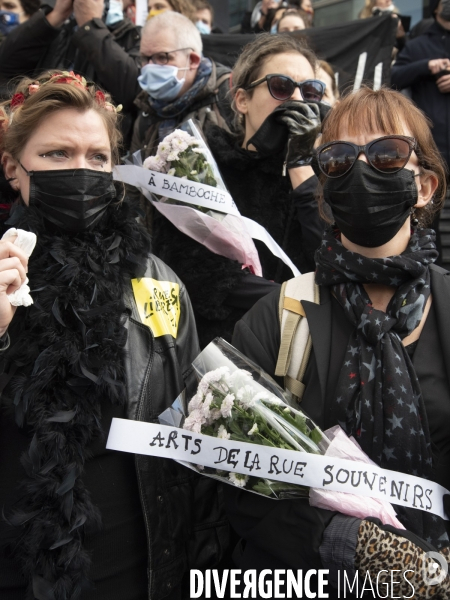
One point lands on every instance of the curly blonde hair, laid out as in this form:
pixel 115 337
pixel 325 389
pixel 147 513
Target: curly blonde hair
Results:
pixel 34 99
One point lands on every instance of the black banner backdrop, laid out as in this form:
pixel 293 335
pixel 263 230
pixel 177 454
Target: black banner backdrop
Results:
pixel 359 51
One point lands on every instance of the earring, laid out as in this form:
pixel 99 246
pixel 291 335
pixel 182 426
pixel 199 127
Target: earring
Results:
pixel 414 219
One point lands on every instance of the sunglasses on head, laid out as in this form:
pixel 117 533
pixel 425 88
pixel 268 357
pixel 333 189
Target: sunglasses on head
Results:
pixel 388 154
pixel 282 87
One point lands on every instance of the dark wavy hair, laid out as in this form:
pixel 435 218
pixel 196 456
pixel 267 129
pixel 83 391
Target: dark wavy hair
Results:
pixel 253 57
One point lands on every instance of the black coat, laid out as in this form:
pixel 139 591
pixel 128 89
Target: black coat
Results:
pixel 288 533
pixel 183 512
pixel 411 71
pixel 263 194
pixel 220 290
pixel 109 56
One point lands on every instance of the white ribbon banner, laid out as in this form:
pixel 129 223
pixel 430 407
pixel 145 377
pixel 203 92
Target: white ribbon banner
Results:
pixel 289 466
pixel 176 188
pixel 196 194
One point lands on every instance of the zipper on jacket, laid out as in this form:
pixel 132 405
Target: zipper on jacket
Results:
pixel 138 475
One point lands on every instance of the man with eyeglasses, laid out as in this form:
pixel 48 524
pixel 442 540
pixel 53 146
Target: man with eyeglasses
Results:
pixel 177 82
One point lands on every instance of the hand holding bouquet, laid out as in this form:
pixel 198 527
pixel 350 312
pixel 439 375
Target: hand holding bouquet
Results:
pixel 237 401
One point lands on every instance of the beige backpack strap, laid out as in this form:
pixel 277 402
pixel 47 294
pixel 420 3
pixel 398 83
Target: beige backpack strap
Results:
pixel 281 301
pixel 296 343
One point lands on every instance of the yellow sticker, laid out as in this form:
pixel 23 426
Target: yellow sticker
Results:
pixel 158 303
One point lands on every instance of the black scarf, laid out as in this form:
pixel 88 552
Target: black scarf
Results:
pixel 67 355
pixel 378 395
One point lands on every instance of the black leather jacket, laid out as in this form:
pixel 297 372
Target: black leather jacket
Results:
pixel 183 512
pixel 185 523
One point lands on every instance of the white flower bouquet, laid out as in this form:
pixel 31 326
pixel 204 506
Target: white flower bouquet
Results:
pixel 236 400
pixel 183 182
pixel 181 155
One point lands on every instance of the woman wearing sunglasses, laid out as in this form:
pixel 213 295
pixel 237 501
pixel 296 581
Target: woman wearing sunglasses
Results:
pixel 380 360
pixel 272 72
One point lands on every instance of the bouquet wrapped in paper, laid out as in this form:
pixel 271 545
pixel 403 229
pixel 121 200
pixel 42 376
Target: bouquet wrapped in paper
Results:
pixel 236 400
pixel 182 155
pixel 183 182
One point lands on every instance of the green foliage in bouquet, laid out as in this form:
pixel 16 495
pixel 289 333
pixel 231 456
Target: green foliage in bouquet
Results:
pixel 193 166
pixel 232 406
pixel 180 155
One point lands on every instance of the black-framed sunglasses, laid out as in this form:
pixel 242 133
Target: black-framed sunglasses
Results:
pixel 387 154
pixel 282 87
pixel 160 58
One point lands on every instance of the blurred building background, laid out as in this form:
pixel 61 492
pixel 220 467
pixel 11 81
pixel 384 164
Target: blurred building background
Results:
pixel 229 13
pixel 329 12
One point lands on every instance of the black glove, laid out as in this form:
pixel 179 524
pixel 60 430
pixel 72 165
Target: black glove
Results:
pixel 303 123
pixel 293 125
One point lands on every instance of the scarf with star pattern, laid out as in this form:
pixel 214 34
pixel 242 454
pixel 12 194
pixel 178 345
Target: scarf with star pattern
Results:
pixel 378 393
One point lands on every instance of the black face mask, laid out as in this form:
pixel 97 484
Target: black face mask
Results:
pixel 445 10
pixel 370 207
pixel 72 199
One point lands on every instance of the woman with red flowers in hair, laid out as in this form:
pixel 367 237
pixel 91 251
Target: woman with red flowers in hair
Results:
pixel 82 522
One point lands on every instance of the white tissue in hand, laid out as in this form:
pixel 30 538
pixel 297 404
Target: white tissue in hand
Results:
pixel 26 241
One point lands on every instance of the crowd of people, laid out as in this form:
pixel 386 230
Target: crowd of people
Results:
pixel 348 186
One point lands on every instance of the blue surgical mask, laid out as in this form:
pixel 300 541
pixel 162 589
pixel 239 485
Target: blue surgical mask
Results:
pixel 8 21
pixel 274 28
pixel 160 81
pixel 203 27
pixel 115 12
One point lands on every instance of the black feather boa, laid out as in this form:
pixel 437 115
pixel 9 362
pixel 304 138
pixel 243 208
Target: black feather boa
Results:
pixel 67 354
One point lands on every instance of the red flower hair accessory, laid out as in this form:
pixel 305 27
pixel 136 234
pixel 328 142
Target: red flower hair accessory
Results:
pixel 17 100
pixel 67 77
pixel 71 78
pixel 100 97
